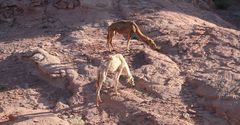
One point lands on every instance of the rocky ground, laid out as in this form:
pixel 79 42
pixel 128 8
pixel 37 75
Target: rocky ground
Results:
pixel 194 79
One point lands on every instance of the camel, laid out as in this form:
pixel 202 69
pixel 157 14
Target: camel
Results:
pixel 126 27
pixel 115 64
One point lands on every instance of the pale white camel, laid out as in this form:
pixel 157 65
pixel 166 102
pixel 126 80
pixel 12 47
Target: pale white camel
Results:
pixel 115 64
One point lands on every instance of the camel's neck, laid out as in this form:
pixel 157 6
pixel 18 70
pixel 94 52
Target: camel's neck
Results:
pixel 142 36
pixel 129 75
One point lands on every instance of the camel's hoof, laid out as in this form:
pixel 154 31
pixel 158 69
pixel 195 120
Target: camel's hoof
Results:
pixel 97 104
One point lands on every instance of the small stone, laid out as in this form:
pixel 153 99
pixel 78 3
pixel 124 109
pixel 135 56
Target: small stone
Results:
pixel 60 106
pixel 185 115
pixel 21 105
pixel 64 117
pixel 35 120
pixel 58 35
pixel 71 5
pixel 11 117
pixel 191 111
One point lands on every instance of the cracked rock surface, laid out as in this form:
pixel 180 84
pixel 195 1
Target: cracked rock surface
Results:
pixel 50 51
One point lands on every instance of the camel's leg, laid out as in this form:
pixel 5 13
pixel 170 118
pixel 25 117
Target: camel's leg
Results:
pixel 111 44
pixel 98 98
pixel 108 45
pixel 128 40
pixel 102 78
pixel 117 76
pixel 114 33
pixel 109 40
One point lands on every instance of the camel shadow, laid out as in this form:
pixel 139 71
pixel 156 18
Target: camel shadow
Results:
pixel 111 106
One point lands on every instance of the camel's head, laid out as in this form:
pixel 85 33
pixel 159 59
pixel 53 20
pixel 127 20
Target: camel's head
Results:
pixel 131 81
pixel 153 44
